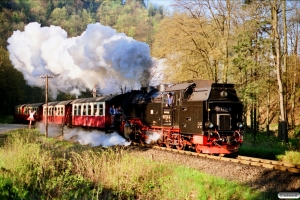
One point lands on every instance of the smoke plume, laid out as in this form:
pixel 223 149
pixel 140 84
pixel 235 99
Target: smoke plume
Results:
pixel 92 138
pixel 153 136
pixel 98 56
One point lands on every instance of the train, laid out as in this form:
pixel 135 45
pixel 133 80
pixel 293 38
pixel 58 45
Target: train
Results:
pixel 199 115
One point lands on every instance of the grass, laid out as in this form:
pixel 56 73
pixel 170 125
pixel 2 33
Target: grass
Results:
pixel 270 147
pixel 35 167
pixel 290 157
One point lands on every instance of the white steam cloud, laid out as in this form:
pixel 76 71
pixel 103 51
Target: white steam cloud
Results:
pixel 153 136
pixel 99 56
pixel 92 138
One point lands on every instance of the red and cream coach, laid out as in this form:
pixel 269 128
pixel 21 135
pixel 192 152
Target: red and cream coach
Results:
pixel 59 112
pixel 94 112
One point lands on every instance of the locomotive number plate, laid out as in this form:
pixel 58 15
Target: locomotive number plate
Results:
pixel 222 109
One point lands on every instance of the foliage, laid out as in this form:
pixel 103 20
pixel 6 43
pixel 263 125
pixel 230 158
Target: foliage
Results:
pixel 8 190
pixel 131 19
pixel 265 146
pixel 11 82
pixel 43 168
pixel 190 56
pixel 290 157
pixel 6 119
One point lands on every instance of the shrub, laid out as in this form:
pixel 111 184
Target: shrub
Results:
pixel 7 190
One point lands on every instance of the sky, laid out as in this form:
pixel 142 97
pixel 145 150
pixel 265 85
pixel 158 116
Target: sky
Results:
pixel 162 2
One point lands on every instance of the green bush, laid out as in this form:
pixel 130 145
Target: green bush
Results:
pixel 6 119
pixel 7 190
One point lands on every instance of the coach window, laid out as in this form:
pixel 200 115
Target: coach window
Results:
pixel 58 111
pixel 62 111
pixel 79 109
pixel 75 110
pixel 101 109
pixel 95 109
pixel 83 110
pixel 89 109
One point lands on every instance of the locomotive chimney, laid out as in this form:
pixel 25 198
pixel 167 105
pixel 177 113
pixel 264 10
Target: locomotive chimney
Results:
pixel 144 90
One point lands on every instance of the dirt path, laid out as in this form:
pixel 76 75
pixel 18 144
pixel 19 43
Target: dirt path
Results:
pixel 8 127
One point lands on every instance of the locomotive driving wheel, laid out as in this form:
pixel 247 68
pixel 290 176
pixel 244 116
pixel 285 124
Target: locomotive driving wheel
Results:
pixel 160 142
pixel 197 148
pixel 167 141
pixel 181 145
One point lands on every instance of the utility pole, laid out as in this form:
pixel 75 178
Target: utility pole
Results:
pixel 46 76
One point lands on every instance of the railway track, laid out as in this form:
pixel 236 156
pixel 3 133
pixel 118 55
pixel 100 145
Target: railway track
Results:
pixel 270 164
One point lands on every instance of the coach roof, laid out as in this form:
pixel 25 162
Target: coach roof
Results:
pixel 55 103
pixel 34 105
pixel 95 99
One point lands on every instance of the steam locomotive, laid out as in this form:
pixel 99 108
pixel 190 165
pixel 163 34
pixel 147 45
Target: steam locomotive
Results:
pixel 200 115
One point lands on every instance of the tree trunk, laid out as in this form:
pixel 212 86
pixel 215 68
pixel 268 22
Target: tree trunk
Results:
pixel 282 126
pixel 225 70
pixel 285 70
pixel 293 99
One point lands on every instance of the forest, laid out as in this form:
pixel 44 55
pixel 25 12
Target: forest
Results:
pixel 251 43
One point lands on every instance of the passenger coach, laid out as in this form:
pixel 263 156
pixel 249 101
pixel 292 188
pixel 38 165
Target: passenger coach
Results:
pixel 19 113
pixel 59 112
pixel 94 112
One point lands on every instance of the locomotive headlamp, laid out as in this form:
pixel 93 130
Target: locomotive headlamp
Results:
pixel 208 124
pixel 224 94
pixel 239 124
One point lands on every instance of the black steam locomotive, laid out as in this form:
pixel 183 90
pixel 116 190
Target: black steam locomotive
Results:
pixel 199 115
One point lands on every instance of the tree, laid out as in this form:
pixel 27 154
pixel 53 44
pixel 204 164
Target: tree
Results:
pixel 202 30
pixel 11 82
pixel 282 129
pixel 50 8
